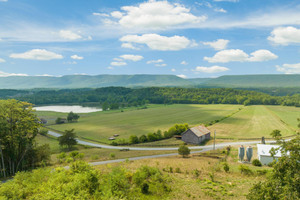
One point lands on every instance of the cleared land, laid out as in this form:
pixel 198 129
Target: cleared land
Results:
pixel 102 125
pixel 249 122
pixel 258 121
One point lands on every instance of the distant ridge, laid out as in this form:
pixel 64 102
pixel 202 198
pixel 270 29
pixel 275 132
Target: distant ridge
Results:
pixel 143 80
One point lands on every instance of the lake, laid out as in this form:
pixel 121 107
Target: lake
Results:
pixel 67 109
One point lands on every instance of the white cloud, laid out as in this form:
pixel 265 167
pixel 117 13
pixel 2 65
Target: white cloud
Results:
pixel 285 35
pixel 4 74
pixel 118 59
pixel 110 67
pixel 184 63
pixel 181 76
pixel 2 60
pixel 155 61
pixel 101 14
pixel 289 68
pixel 158 42
pixel 212 69
pixel 69 35
pixel 3 0
pixel 70 63
pixel 116 14
pixel 237 55
pixel 129 46
pixel 262 55
pixel 173 70
pixel 132 57
pixel 218 44
pixel 37 54
pixel 76 57
pixel 220 10
pixel 161 65
pixel 157 15
pixel 118 63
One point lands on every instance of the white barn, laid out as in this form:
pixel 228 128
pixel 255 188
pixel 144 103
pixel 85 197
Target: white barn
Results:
pixel 263 153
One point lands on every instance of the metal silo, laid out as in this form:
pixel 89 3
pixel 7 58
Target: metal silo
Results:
pixel 249 153
pixel 241 153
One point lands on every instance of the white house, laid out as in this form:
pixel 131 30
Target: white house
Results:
pixel 263 153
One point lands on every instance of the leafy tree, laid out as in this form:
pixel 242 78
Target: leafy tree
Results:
pixel 151 137
pixel 143 138
pixel 284 181
pixel 68 139
pixel 59 120
pixel 105 106
pixel 18 129
pixel 184 151
pixel 43 131
pixel 72 117
pixel 276 134
pixel 133 139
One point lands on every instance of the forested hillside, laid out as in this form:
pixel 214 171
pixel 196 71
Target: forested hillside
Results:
pixel 127 96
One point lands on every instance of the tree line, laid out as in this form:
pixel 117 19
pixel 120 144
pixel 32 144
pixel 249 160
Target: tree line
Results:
pixel 117 97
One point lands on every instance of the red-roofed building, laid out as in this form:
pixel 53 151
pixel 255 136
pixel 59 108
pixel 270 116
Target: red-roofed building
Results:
pixel 196 135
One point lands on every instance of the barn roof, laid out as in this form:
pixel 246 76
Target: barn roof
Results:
pixel 264 150
pixel 200 130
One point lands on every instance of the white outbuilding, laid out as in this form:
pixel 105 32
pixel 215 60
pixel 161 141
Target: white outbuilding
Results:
pixel 264 155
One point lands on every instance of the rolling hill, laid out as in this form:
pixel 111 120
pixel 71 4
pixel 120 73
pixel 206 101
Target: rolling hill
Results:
pixel 142 80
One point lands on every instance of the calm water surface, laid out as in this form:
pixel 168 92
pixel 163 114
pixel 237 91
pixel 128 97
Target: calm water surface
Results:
pixel 67 109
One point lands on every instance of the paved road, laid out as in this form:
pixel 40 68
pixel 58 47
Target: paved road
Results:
pixel 220 145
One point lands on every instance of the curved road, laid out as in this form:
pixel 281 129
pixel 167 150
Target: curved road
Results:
pixel 209 147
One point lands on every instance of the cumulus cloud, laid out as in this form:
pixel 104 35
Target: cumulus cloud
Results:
pixel 69 35
pixel 132 57
pixel 129 46
pixel 76 57
pixel 285 35
pixel 218 44
pixel 118 63
pixel 116 14
pixel 184 63
pixel 181 76
pixel 212 69
pixel 237 55
pixel 289 68
pixel 173 70
pixel 262 55
pixel 155 61
pixel 118 59
pixel 157 15
pixel 37 54
pixel 2 60
pixel 5 74
pixel 100 14
pixel 158 42
pixel 3 0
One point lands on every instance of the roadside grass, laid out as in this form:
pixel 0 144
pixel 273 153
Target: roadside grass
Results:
pixel 201 176
pixel 102 125
pixel 254 122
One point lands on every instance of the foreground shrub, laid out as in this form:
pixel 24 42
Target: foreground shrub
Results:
pixel 82 181
pixel 256 162
pixel 245 170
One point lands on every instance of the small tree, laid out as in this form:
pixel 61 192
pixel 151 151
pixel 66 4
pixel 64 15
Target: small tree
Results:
pixel 72 117
pixel 184 151
pixel 133 139
pixel 59 121
pixel 276 134
pixel 143 138
pixel 104 106
pixel 68 139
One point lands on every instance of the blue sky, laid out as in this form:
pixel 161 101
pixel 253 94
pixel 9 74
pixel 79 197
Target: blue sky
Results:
pixel 186 38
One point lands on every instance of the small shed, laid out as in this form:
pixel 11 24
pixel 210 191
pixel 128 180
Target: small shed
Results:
pixel 264 155
pixel 196 135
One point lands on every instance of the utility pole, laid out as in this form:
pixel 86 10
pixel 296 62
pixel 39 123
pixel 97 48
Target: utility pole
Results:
pixel 215 140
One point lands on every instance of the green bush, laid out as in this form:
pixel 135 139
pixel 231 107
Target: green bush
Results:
pixel 184 151
pixel 256 162
pixel 226 167
pixel 245 170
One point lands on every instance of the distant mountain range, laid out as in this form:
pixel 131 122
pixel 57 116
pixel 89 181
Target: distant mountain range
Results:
pixel 86 81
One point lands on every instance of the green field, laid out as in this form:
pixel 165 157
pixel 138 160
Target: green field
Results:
pixel 258 121
pixel 249 122
pixel 102 125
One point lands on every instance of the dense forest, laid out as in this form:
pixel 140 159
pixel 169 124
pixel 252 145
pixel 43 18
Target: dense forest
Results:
pixel 157 95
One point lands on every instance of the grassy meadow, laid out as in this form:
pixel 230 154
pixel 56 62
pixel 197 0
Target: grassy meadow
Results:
pixel 246 122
